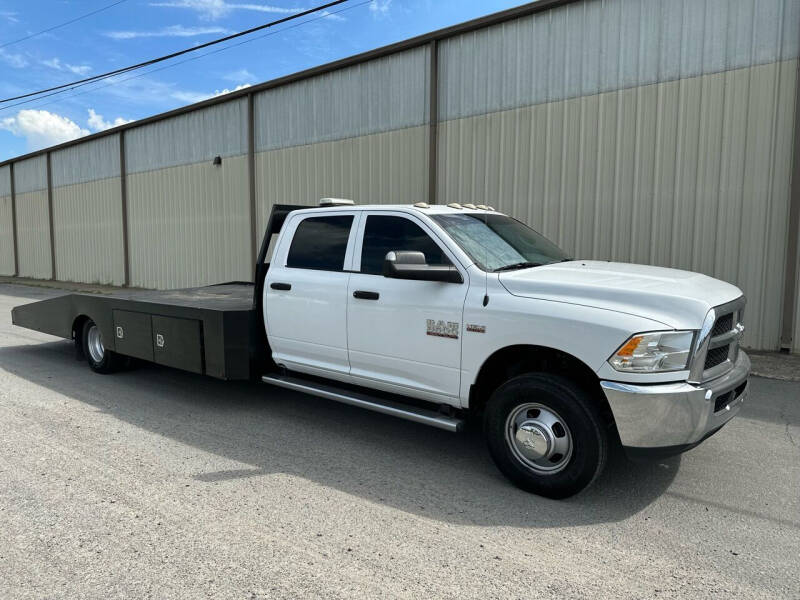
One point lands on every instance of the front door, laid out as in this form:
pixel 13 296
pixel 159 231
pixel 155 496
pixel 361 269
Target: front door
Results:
pixel 403 336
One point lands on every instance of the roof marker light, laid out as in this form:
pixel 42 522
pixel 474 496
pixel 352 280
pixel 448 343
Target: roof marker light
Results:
pixel 455 205
pixel 335 202
pixel 470 206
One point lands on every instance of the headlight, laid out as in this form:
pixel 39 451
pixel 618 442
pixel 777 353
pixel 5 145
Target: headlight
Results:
pixel 654 352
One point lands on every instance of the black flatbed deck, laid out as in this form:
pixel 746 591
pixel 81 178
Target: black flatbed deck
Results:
pixel 226 296
pixel 213 330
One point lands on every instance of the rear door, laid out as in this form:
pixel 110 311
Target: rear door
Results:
pixel 404 336
pixel 305 293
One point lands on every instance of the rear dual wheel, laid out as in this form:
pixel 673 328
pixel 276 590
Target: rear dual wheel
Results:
pixel 546 435
pixel 100 359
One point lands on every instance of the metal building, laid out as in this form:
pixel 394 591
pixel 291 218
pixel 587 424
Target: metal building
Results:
pixel 653 131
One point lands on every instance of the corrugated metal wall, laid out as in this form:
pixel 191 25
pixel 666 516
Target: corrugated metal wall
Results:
pixel 662 136
pixel 651 131
pixel 33 218
pixel 358 133
pixel 6 223
pixel 796 334
pixel 189 220
pixel 87 212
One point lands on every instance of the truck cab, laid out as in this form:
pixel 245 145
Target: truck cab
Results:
pixel 473 312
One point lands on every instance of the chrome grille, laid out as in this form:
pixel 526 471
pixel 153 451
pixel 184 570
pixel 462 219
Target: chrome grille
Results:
pixel 722 325
pixel 718 343
pixel 717 356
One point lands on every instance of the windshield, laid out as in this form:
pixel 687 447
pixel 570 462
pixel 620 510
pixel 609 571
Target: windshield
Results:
pixel 498 243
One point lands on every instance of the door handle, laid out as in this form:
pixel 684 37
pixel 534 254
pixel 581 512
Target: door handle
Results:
pixel 280 286
pixel 366 295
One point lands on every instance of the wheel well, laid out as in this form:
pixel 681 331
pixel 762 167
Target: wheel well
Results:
pixel 517 360
pixel 77 333
pixel 77 326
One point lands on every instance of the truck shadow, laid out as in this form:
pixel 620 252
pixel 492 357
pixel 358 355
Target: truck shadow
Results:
pixel 407 466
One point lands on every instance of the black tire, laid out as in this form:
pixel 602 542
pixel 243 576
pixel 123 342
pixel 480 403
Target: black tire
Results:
pixel 110 362
pixel 552 395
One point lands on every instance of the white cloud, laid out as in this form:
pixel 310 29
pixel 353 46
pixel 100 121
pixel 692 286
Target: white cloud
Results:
pixel 15 61
pixel 192 97
pixel 171 31
pixel 41 128
pixel 9 16
pixel 380 7
pixel 96 122
pixel 240 76
pixel 215 9
pixel 55 63
pixel 332 16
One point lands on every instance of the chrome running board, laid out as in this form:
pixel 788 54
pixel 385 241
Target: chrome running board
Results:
pixel 361 400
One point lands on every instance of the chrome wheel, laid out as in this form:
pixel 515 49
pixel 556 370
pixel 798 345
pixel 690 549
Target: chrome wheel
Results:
pixel 539 438
pixel 94 344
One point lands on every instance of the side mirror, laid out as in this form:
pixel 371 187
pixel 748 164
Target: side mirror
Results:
pixel 412 265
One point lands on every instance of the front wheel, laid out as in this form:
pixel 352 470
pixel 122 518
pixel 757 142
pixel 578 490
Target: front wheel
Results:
pixel 100 359
pixel 546 435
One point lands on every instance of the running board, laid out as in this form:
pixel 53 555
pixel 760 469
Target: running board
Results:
pixel 386 407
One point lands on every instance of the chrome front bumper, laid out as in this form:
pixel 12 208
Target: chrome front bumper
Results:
pixel 671 418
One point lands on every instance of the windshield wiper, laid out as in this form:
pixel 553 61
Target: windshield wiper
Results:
pixel 515 266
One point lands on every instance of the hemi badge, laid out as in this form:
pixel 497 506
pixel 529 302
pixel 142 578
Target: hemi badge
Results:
pixel 476 328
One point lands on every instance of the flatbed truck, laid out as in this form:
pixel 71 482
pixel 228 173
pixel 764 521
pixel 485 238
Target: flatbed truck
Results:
pixel 439 313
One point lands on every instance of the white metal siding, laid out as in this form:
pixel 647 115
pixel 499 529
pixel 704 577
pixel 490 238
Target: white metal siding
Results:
pixel 90 161
pixel 381 95
pixel 5 181
pixel 383 168
pixel 598 46
pixel 30 175
pixel 33 230
pixel 636 130
pixel 190 225
pixel 87 220
pixel 6 224
pixel 195 137
pixel 87 212
pixel 692 174
pixel 6 237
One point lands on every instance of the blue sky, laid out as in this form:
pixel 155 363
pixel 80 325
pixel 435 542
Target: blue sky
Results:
pixel 137 30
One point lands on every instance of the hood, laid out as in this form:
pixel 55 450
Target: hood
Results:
pixel 678 299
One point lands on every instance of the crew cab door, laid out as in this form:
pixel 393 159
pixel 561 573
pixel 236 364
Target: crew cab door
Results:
pixel 404 336
pixel 305 293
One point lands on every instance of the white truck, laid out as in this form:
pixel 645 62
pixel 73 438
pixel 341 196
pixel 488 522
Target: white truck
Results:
pixel 437 313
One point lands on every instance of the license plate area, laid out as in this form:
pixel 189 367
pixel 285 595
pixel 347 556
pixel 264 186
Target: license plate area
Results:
pixel 730 398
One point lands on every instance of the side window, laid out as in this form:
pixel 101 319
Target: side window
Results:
pixel 320 243
pixel 384 234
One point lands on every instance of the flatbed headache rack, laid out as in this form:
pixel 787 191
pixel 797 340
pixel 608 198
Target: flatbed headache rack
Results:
pixel 215 330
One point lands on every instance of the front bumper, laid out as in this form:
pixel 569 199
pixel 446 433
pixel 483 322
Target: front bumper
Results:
pixel 664 419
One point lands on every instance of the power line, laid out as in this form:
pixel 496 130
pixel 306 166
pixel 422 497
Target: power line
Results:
pixel 89 14
pixel 174 54
pixel 170 66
